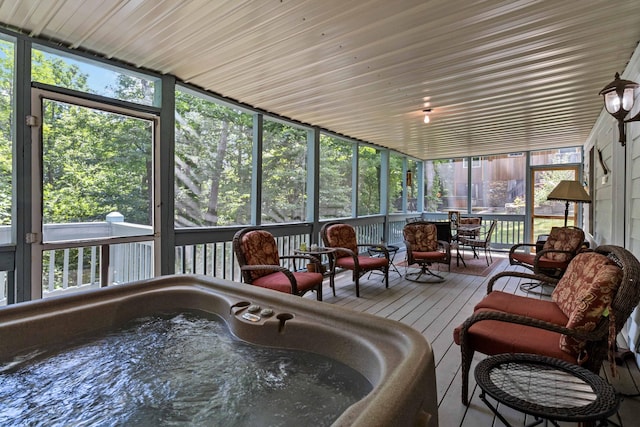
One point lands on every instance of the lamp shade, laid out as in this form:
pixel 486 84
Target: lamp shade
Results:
pixel 570 191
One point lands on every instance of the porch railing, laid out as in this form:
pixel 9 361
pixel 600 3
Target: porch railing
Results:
pixel 210 251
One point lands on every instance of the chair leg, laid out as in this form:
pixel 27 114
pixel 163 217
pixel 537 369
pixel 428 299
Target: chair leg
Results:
pixel 357 276
pixel 319 292
pixel 386 277
pixel 424 271
pixel 467 357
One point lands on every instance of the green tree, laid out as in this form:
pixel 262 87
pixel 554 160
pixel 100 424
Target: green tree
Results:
pixel 6 130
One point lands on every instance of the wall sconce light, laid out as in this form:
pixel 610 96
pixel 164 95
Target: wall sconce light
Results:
pixel 618 101
pixel 426 115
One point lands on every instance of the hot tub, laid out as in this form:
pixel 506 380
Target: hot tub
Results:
pixel 394 358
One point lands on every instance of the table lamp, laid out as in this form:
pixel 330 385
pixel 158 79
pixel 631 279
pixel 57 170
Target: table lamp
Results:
pixel 569 191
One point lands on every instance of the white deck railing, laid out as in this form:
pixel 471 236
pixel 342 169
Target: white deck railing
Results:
pixel 209 253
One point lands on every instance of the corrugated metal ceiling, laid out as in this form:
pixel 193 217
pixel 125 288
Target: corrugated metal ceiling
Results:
pixel 499 75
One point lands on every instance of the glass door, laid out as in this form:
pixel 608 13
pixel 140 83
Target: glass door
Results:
pixel 93 192
pixel 549 213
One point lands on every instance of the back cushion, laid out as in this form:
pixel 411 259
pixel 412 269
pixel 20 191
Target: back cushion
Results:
pixel 563 239
pixel 260 248
pixel 342 236
pixel 421 237
pixel 584 292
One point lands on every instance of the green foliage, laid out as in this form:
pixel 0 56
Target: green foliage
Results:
pixel 6 133
pixel 547 181
pixel 368 181
pixel 435 191
pixel 336 168
pixel 213 155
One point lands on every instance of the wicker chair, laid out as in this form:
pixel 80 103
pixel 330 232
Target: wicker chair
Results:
pixel 561 246
pixel 588 308
pixel 424 248
pixel 342 237
pixel 257 254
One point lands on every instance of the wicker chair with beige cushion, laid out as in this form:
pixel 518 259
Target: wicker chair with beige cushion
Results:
pixel 257 254
pixel 588 308
pixel 342 237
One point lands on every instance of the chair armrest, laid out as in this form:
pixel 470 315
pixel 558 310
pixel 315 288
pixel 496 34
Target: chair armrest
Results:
pixel 275 268
pixel 522 275
pixel 555 251
pixel 520 245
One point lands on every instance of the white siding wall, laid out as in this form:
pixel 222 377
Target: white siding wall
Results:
pixel 617 201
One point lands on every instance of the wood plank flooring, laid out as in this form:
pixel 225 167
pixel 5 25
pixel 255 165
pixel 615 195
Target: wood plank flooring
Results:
pixel 435 310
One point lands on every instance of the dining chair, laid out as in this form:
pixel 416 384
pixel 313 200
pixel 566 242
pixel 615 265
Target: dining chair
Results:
pixel 479 242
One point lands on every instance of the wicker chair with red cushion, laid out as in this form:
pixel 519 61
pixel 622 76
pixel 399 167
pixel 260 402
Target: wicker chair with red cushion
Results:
pixel 257 254
pixel 424 249
pixel 588 307
pixel 342 237
pixel 563 243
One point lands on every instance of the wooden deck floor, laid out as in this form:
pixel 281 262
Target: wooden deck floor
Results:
pixel 435 310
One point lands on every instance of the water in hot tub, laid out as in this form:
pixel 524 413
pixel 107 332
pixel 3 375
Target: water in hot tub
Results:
pixel 183 369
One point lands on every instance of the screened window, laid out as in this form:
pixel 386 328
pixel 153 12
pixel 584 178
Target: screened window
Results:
pixel 74 72
pixel 284 173
pixel 95 164
pixel 213 158
pixel 6 138
pixel 412 185
pixel 498 185
pixel 368 181
pixel 446 185
pixel 556 156
pixel 396 182
pixel 336 175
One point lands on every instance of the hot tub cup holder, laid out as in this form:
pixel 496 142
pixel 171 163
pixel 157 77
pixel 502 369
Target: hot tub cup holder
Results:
pixel 283 317
pixel 239 306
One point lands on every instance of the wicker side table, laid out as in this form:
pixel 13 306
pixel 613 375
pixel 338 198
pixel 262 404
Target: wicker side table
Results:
pixel 547 388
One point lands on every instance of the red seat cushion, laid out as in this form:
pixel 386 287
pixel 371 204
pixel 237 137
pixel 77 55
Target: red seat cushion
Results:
pixel 280 282
pixel 524 306
pixel 495 337
pixel 430 256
